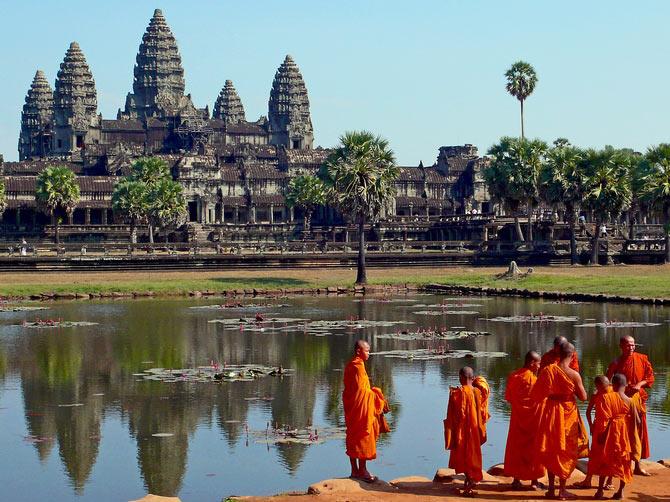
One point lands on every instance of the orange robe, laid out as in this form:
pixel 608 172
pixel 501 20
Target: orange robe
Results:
pixel 519 452
pixel 465 430
pixel 363 406
pixel 611 447
pixel 561 437
pixel 550 357
pixel 636 367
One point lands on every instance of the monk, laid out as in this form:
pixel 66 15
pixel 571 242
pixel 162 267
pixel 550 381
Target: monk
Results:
pixel 561 434
pixel 554 355
pixel 363 413
pixel 465 429
pixel 640 376
pixel 519 452
pixel 611 449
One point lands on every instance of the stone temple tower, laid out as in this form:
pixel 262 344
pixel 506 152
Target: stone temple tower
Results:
pixel 158 85
pixel 37 119
pixel 228 106
pixel 290 123
pixel 75 104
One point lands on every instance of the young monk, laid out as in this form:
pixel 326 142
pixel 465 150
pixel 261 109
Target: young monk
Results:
pixel 519 450
pixel 554 355
pixel 363 407
pixel 640 376
pixel 465 429
pixel 611 450
pixel 561 434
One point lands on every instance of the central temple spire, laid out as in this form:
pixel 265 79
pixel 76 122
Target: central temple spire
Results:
pixel 158 86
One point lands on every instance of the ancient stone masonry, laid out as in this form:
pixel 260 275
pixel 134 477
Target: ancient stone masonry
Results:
pixel 290 121
pixel 75 104
pixel 37 119
pixel 228 106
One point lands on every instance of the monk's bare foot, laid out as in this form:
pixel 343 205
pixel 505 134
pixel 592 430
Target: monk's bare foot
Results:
pixel 599 495
pixel 468 492
pixel 551 494
pixel 537 485
pixel 366 477
pixel 618 495
pixel 639 471
pixel 582 485
pixel 609 486
pixel 516 485
pixel 566 495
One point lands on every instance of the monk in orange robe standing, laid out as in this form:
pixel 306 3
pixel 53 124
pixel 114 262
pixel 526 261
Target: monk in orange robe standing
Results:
pixel 611 448
pixel 363 413
pixel 561 435
pixel 554 355
pixel 519 452
pixel 640 376
pixel 465 428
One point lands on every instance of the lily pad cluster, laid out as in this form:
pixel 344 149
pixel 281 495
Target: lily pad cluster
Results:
pixel 437 353
pixel 445 312
pixel 304 435
pixel 214 373
pixel 533 318
pixel 20 308
pixel 55 323
pixel 617 324
pixel 241 306
pixel 261 324
pixel 433 334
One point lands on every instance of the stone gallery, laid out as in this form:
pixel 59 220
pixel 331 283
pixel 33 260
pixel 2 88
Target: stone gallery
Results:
pixel 234 171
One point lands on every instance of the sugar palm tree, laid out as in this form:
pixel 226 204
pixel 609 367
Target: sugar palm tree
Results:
pixel 150 171
pixel 607 188
pixel 167 204
pixel 3 197
pixel 512 176
pixel 361 174
pixel 562 183
pixel 657 187
pixel 307 193
pixel 521 81
pixel 57 188
pixel 130 199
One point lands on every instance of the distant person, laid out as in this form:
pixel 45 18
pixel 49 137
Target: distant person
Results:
pixel 582 225
pixel 24 247
pixel 554 355
pixel 465 428
pixel 603 230
pixel 561 438
pixel 523 424
pixel 611 448
pixel 363 413
pixel 639 374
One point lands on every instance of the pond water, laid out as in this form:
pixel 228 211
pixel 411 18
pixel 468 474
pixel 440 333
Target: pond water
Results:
pixel 80 422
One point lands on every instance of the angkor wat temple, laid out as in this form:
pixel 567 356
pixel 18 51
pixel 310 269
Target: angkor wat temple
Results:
pixel 234 171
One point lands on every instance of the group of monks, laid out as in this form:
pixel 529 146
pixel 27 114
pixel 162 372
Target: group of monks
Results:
pixel 546 433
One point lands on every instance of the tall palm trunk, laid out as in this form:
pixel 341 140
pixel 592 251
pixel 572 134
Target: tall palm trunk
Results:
pixel 57 227
pixel 133 232
pixel 517 226
pixel 530 221
pixel 666 213
pixel 307 221
pixel 573 240
pixel 522 132
pixel 595 248
pixel 151 233
pixel 361 277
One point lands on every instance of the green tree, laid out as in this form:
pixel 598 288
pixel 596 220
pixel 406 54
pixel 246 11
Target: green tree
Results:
pixel 167 204
pixel 3 197
pixel 512 176
pixel 150 171
pixel 562 183
pixel 361 174
pixel 521 81
pixel 130 199
pixel 307 193
pixel 57 188
pixel 607 188
pixel 657 187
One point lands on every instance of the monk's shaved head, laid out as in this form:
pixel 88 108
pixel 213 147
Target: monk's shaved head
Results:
pixel 361 344
pixel 619 381
pixel 531 357
pixel 559 340
pixel 602 381
pixel 627 344
pixel 567 350
pixel 467 372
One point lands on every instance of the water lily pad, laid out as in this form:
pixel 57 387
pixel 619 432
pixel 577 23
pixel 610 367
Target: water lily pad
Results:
pixel 20 308
pixel 433 335
pixel 617 324
pixel 241 306
pixel 215 373
pixel 440 353
pixel 304 435
pixel 533 318
pixel 50 323
pixel 445 312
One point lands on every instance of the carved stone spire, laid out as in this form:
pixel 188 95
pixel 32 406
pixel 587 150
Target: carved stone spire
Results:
pixel 290 121
pixel 75 101
pixel 158 86
pixel 228 106
pixel 37 119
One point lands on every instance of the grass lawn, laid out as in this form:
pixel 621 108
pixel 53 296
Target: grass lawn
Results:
pixel 644 281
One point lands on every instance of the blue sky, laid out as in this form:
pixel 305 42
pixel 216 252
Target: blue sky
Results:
pixel 423 74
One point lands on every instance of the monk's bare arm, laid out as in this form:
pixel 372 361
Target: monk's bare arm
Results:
pixel 580 392
pixel 589 411
pixel 636 416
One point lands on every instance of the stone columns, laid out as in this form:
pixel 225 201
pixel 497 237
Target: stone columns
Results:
pixel 291 214
pixel 104 216
pixel 223 213
pixel 87 216
pixel 203 211
pixel 272 213
pixel 253 214
pixel 236 217
pixel 18 217
pixel 411 207
pixel 70 217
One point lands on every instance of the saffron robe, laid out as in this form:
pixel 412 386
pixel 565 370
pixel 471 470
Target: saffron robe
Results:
pixel 363 406
pixel 611 446
pixel 550 357
pixel 561 436
pixel 636 367
pixel 519 452
pixel 465 430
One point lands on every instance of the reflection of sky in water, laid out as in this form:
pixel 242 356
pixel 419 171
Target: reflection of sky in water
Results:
pixel 104 450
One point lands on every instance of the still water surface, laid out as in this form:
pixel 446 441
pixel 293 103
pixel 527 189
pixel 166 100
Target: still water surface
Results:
pixel 104 449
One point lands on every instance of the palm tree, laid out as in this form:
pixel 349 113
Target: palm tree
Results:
pixel 307 193
pixel 521 81
pixel 561 183
pixel 167 204
pixel 150 171
pixel 607 188
pixel 361 174
pixel 57 188
pixel 512 176
pixel 657 187
pixel 130 199
pixel 3 197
